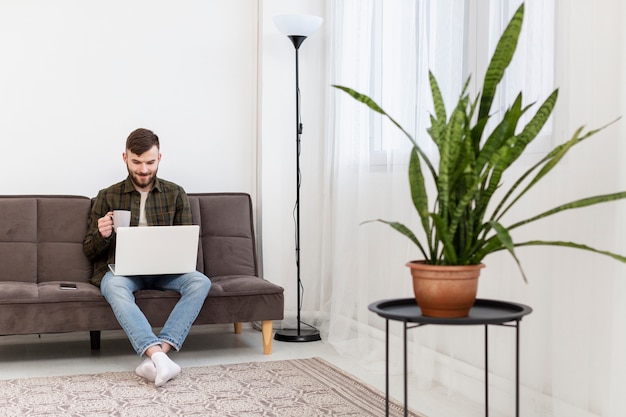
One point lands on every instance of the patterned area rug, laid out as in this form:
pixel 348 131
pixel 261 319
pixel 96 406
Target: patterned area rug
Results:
pixel 302 387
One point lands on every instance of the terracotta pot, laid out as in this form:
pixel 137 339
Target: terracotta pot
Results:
pixel 445 291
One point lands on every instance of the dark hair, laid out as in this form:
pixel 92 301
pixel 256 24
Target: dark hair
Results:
pixel 141 140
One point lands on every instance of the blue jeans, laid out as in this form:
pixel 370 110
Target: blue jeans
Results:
pixel 118 291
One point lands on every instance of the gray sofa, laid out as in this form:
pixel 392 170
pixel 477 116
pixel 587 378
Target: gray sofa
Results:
pixel 41 247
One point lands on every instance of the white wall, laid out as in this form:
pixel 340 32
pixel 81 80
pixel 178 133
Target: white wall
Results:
pixel 213 78
pixel 78 76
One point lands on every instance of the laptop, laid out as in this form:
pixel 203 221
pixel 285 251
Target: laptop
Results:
pixel 156 250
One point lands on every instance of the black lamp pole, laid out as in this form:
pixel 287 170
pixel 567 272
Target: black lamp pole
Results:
pixel 310 334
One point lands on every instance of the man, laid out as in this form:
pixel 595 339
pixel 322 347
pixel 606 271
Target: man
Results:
pixel 152 202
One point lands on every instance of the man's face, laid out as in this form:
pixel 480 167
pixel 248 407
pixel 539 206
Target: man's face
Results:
pixel 143 168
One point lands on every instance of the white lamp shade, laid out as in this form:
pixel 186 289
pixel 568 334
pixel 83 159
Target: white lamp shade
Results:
pixel 297 24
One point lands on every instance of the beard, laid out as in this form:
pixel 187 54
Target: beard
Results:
pixel 142 181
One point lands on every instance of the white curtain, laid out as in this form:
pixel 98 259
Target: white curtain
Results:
pixel 572 361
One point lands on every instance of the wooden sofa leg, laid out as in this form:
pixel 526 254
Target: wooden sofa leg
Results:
pixel 238 327
pixel 266 329
pixel 94 336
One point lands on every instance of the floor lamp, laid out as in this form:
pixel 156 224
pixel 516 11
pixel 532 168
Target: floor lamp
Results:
pixel 298 28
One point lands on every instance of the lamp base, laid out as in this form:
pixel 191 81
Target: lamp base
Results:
pixel 307 335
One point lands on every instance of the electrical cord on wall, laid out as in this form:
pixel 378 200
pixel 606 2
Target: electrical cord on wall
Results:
pixel 297 257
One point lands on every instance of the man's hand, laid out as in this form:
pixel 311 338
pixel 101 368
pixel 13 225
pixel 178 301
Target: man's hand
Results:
pixel 105 225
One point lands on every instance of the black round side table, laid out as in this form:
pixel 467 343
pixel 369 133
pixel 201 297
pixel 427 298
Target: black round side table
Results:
pixel 484 312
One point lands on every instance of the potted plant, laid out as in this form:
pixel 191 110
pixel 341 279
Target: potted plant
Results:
pixel 463 223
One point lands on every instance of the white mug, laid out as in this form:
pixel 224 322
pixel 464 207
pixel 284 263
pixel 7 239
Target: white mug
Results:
pixel 121 218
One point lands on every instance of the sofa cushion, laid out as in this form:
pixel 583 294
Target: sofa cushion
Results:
pixel 41 238
pixel 226 233
pixel 61 228
pixel 15 292
pixel 18 237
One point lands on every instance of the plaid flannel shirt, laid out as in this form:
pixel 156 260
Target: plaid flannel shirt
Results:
pixel 167 205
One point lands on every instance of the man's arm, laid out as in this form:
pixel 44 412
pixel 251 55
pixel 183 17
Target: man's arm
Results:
pixel 183 209
pixel 99 229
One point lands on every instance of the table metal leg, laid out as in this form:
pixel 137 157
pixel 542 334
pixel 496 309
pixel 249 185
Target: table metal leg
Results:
pixel 486 370
pixel 387 368
pixel 406 390
pixel 517 368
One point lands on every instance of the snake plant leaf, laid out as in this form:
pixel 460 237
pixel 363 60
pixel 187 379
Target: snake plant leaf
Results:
pixel 528 134
pixel 374 106
pixel 507 242
pixel 497 153
pixel 533 127
pixel 584 202
pixel 502 56
pixel 363 99
pixel 449 151
pixel 475 216
pixel 419 193
pixel 558 153
pixel 544 168
pixel 449 253
pixel 438 103
pixel 574 245
pixel 558 150
pixel 501 134
pixel 406 232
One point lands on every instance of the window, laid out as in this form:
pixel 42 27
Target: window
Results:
pixel 400 41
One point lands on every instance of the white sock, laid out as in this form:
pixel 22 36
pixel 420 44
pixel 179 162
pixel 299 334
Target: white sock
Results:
pixel 147 370
pixel 166 368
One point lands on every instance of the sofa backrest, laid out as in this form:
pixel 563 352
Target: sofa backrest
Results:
pixel 227 241
pixel 41 238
